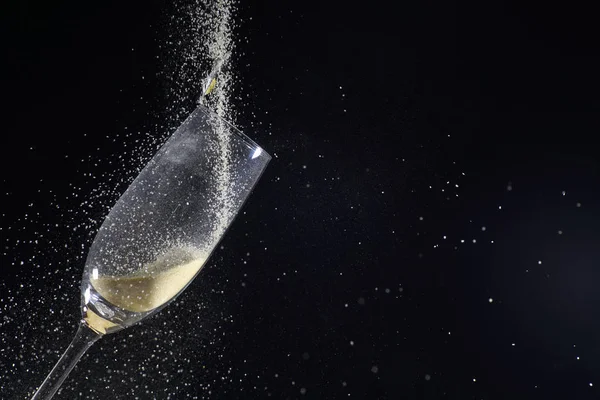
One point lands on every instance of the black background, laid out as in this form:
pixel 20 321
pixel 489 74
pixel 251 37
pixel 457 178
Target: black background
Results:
pixel 391 125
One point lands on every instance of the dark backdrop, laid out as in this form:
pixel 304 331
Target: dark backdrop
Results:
pixel 428 227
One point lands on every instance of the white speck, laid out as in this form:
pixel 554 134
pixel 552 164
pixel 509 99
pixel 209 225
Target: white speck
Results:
pixel 564 193
pixel 474 380
pixel 513 345
pixel 352 343
pixel 483 228
pixel 578 205
pixel 374 369
pixel 540 262
pixel 427 377
pixel 490 300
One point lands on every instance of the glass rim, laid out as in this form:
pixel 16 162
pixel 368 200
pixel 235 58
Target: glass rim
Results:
pixel 241 135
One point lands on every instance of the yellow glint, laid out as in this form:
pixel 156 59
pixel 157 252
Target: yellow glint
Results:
pixel 211 86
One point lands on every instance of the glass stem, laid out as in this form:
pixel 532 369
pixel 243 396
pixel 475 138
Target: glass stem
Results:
pixel 84 339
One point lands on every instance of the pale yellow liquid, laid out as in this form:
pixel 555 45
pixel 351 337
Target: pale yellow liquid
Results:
pixel 148 288
pixel 146 291
pixel 97 323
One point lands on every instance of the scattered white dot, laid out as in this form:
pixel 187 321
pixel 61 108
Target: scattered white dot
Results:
pixel 490 300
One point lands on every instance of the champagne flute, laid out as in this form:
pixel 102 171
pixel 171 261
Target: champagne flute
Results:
pixel 162 230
